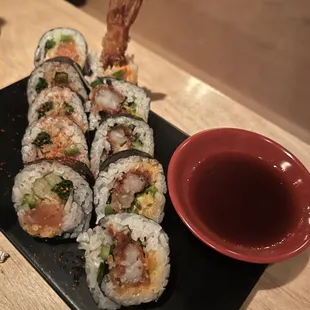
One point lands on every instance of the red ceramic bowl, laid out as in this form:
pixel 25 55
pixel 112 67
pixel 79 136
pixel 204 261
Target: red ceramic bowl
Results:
pixel 211 143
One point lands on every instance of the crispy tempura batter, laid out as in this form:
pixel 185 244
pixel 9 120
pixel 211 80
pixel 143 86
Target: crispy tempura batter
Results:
pixel 121 15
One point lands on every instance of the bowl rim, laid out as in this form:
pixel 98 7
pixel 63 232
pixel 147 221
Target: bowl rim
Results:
pixel 193 228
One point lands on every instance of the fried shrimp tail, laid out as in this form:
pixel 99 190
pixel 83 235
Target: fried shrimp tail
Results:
pixel 121 15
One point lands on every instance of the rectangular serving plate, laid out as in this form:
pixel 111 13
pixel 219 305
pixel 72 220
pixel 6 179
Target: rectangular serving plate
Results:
pixel 200 278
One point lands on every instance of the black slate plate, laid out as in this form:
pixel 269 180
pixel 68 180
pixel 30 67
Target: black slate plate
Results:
pixel 200 277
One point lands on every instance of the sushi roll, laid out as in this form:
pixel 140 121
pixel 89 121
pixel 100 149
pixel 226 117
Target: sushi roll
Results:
pixel 51 137
pixel 114 60
pixel 132 182
pixel 58 101
pixel 61 42
pixel 114 97
pixel 52 199
pixel 59 71
pixel 126 261
pixel 119 133
pixel 127 72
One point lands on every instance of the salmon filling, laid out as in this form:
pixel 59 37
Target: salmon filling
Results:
pixel 68 49
pixel 44 206
pixel 44 220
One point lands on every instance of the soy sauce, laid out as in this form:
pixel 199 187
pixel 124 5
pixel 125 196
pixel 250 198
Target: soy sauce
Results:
pixel 243 200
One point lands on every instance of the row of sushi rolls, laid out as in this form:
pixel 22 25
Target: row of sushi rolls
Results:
pixel 74 94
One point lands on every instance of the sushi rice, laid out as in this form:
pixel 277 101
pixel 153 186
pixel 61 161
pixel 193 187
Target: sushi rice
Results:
pixel 58 101
pixel 128 73
pixel 127 261
pixel 127 254
pixel 37 204
pixel 51 137
pixel 118 133
pixel 61 42
pixel 59 71
pixel 134 184
pixel 112 96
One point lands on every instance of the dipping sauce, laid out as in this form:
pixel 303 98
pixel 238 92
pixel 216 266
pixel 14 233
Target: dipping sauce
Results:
pixel 243 200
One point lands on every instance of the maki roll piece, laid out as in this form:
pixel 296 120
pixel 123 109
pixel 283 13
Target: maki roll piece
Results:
pixel 52 199
pixel 113 61
pixel 119 133
pixel 114 97
pixel 58 101
pixel 127 72
pixel 59 71
pixel 126 260
pixel 61 42
pixel 130 182
pixel 51 137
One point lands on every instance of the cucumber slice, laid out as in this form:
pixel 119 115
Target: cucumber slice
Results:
pixel 72 151
pixel 96 83
pixel 105 252
pixel 118 74
pixel 41 188
pixel 101 272
pixel 66 38
pixel 133 209
pixel 31 201
pixel 108 210
pixel 61 78
pixel 52 179
pixel 151 190
pixel 137 144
